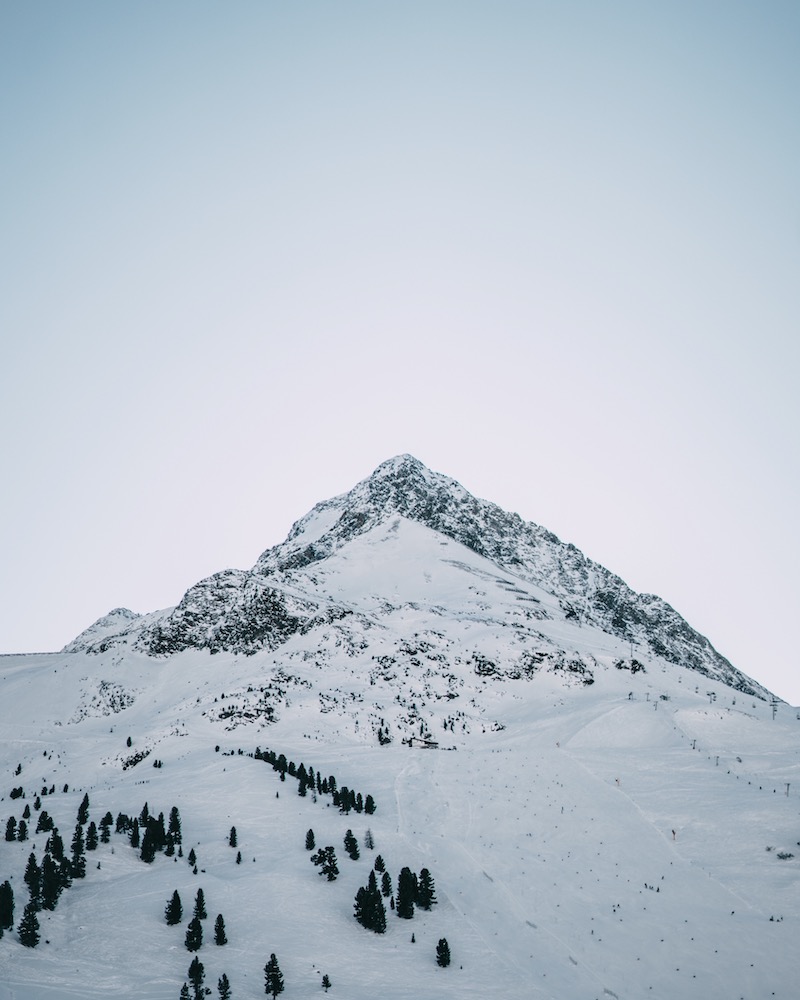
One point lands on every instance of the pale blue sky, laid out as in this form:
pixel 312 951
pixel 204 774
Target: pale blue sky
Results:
pixel 250 250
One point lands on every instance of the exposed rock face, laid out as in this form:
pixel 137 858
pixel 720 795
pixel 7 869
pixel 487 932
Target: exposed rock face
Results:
pixel 247 611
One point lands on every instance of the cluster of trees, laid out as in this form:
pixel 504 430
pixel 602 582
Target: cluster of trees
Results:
pixel 412 891
pixel 150 834
pixel 173 914
pixel 343 797
pixel 196 978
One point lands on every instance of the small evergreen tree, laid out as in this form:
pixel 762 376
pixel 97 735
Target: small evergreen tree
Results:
pixel 379 865
pixel 386 884
pixel 173 913
pixel 83 810
pixel 197 974
pixel 238 857
pixel 33 879
pixel 368 909
pixel 443 953
pixel 200 905
pixel 185 992
pixel 224 987
pixel 6 906
pixel 91 837
pixel 135 838
pixel 426 894
pixel 232 837
pixel 369 841
pixel 326 982
pixel 194 935
pixel 273 977
pixel 51 883
pixel 29 927
pixel 325 859
pixel 175 825
pixel 310 842
pixel 406 893
pixel 192 858
pixel 11 828
pixel 351 846
pixel 369 805
pixel 78 856
pixel 22 830
pixel 219 931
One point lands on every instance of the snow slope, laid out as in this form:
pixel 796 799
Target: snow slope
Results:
pixel 600 821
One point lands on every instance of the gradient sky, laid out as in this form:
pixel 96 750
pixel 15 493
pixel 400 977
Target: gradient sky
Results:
pixel 250 250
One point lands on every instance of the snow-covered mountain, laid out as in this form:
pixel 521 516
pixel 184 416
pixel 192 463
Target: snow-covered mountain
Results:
pixel 617 815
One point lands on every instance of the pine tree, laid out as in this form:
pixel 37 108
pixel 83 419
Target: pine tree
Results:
pixel 238 857
pixel 224 987
pixel 78 856
pixel 91 837
pixel 197 974
pixel 219 931
pixel 310 842
pixel 192 858
pixel 83 810
pixel 325 859
pixel 22 830
pixel 426 894
pixel 379 864
pixel 33 879
pixel 173 913
pixel 326 982
pixel 369 841
pixel 368 909
pixel 369 805
pixel 175 824
pixel 232 837
pixel 200 905
pixel 51 883
pixel 351 845
pixel 11 829
pixel 386 884
pixel 148 851
pixel 29 927
pixel 194 935
pixel 443 953
pixel 185 992
pixel 135 838
pixel 273 977
pixel 6 906
pixel 406 893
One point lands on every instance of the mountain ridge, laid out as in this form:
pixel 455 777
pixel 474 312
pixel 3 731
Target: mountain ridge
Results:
pixel 260 608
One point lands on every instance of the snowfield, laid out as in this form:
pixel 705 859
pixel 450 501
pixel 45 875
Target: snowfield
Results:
pixel 600 820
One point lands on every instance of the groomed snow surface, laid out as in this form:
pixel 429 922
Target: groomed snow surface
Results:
pixel 548 830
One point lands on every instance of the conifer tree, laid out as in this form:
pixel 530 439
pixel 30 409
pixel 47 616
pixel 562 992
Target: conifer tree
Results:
pixel 426 894
pixel 443 953
pixel 224 987
pixel 29 927
pixel 351 846
pixel 369 840
pixel 406 893
pixel 219 931
pixel 185 992
pixel 310 842
pixel 238 857
pixel 273 977
pixel 6 906
pixel 51 883
pixel 91 837
pixel 197 974
pixel 192 858
pixel 11 829
pixel 83 810
pixel 368 909
pixel 33 879
pixel 369 805
pixel 78 856
pixel 325 859
pixel 200 905
pixel 379 864
pixel 44 823
pixel 175 824
pixel 194 935
pixel 55 845
pixel 135 838
pixel 22 830
pixel 232 837
pixel 326 982
pixel 173 913
pixel 386 884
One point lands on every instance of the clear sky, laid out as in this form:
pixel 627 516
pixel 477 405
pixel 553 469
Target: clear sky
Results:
pixel 250 250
